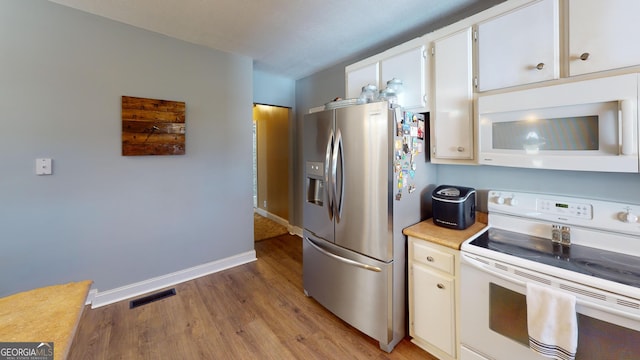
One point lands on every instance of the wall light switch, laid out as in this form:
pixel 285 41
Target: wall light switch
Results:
pixel 43 166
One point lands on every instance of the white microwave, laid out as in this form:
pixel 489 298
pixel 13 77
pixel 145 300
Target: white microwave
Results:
pixel 589 125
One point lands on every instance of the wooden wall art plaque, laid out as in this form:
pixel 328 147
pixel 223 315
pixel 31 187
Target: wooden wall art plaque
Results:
pixel 152 127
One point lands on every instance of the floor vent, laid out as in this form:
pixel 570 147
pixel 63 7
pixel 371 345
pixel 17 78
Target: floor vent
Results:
pixel 151 298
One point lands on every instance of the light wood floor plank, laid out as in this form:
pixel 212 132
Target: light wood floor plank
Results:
pixel 254 311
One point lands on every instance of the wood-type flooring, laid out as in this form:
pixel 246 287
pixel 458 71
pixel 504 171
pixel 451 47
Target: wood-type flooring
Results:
pixel 254 311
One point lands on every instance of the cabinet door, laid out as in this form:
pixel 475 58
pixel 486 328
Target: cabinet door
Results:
pixel 511 53
pixel 433 318
pixel 452 125
pixel 603 35
pixel 359 77
pixel 408 67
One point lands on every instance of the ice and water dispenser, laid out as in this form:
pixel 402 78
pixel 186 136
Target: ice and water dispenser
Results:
pixel 315 182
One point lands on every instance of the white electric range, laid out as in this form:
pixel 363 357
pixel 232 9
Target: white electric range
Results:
pixel 584 247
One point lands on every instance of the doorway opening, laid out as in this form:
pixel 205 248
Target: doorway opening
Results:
pixel 271 162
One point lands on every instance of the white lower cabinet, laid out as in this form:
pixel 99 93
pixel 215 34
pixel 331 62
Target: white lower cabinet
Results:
pixel 432 298
pixel 433 311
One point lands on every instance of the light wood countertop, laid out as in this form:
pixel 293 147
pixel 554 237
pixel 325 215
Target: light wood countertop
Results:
pixel 427 230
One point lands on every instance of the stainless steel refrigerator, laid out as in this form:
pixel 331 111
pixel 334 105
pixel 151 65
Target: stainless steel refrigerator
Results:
pixel 366 178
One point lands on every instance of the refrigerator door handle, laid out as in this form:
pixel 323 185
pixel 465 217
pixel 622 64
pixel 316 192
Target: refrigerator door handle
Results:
pixel 327 162
pixel 334 173
pixel 342 259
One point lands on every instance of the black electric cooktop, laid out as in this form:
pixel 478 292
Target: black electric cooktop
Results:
pixel 600 263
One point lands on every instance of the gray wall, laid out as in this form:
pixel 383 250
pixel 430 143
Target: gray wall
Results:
pixel 270 89
pixel 101 216
pixel 595 185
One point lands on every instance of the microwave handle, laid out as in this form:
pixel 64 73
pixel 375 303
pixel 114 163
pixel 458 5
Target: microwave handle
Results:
pixel 628 139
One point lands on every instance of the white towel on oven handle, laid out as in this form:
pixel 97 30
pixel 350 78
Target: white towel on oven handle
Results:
pixel 552 322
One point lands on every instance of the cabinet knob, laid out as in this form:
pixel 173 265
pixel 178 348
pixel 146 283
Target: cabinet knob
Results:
pixel 440 286
pixel 584 56
pixel 460 149
pixel 430 259
pixel 540 66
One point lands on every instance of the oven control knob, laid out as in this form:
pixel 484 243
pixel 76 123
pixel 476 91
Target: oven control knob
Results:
pixel 629 217
pixel 500 200
pixel 513 201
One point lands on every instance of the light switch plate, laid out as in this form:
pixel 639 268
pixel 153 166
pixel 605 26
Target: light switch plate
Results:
pixel 43 167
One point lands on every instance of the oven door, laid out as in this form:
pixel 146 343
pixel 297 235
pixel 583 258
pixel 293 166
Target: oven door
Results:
pixel 493 319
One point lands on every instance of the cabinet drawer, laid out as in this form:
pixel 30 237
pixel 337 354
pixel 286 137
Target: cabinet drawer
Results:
pixel 432 257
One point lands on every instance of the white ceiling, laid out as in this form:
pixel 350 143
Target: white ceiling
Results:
pixel 292 38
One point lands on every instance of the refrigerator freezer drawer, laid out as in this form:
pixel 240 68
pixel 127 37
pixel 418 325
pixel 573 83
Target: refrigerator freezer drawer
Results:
pixel 354 287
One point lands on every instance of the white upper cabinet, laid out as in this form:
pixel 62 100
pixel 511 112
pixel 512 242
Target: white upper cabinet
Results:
pixel 520 47
pixel 452 120
pixel 603 35
pixel 359 76
pixel 406 62
pixel 408 66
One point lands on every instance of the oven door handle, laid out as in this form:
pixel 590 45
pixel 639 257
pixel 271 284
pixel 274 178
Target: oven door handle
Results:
pixel 590 305
pixel 483 267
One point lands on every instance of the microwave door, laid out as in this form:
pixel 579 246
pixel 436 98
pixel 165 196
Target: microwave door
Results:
pixel 590 125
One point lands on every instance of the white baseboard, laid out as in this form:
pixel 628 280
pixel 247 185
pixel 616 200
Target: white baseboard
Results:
pixel 271 216
pixel 107 297
pixel 90 296
pixel 294 230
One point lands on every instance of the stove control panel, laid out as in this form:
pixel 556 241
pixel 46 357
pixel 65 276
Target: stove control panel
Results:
pixel 597 214
pixel 564 208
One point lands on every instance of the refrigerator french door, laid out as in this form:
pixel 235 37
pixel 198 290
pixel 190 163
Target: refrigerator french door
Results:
pixel 357 203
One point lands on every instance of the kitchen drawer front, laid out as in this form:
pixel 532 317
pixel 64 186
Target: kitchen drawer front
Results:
pixel 432 257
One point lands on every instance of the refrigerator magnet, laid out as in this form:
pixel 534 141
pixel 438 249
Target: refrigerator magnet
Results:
pixel 410 117
pixel 421 129
pixel 406 142
pixel 405 178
